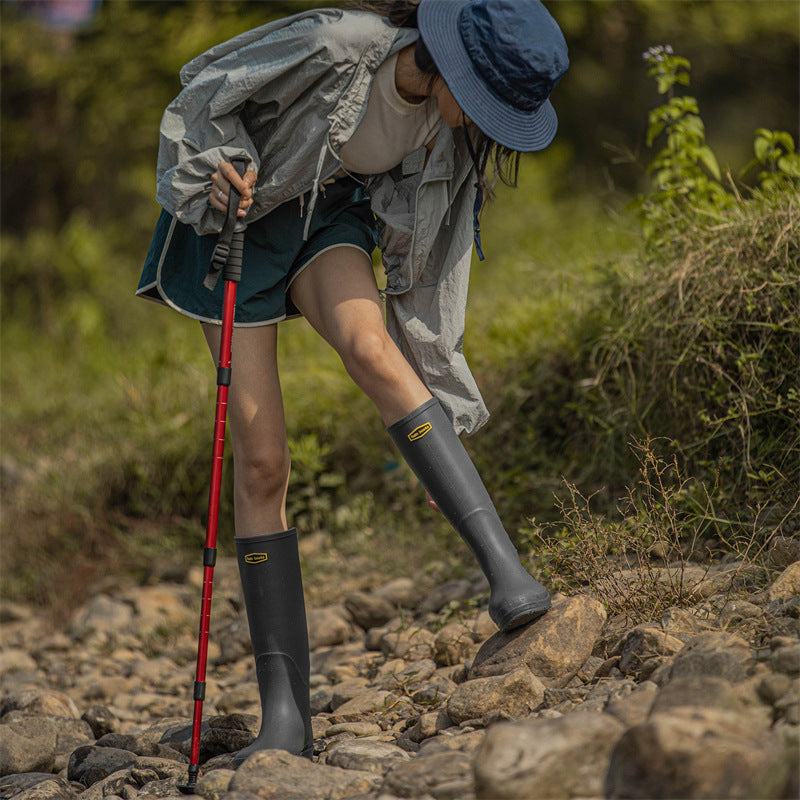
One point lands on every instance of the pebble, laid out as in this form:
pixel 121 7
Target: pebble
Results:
pixel 409 699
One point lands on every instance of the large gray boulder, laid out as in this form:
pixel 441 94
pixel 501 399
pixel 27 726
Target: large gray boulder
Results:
pixel 691 752
pixel 540 759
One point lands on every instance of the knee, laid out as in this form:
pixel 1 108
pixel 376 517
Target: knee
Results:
pixel 262 474
pixel 367 356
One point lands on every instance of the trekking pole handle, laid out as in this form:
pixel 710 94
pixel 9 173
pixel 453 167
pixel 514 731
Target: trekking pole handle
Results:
pixel 233 265
pixel 227 257
pixel 239 163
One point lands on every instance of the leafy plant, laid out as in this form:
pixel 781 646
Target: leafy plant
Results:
pixel 685 170
pixel 779 163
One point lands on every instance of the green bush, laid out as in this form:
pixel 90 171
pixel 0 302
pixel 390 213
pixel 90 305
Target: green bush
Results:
pixel 694 343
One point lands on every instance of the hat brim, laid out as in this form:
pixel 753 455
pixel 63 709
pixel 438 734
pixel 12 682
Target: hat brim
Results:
pixel 525 131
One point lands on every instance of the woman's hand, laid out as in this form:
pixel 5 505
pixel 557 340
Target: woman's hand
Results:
pixel 221 182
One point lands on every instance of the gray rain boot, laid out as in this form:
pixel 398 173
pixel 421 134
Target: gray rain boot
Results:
pixel 434 452
pixel 269 567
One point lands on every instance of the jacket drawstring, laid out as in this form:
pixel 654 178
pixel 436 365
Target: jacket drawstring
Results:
pixel 480 169
pixel 314 191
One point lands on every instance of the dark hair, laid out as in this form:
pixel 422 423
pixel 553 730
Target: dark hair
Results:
pixel 504 161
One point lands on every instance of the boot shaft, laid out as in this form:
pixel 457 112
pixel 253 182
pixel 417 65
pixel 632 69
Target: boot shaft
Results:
pixel 272 585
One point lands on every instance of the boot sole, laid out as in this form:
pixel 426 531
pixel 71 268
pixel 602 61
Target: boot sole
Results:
pixel 522 617
pixel 307 752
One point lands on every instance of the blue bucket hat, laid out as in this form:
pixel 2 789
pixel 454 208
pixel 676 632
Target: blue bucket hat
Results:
pixel 500 59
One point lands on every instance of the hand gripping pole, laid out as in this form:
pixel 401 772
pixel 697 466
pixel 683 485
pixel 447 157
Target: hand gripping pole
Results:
pixel 227 261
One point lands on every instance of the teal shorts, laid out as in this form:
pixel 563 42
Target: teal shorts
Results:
pixel 274 254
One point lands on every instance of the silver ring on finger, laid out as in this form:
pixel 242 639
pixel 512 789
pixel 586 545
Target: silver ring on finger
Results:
pixel 219 194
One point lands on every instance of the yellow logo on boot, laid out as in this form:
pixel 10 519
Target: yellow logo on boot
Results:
pixel 256 558
pixel 419 432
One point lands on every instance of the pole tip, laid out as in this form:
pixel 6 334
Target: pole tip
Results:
pixel 191 780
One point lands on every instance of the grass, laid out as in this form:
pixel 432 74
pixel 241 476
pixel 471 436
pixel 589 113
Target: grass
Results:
pixel 579 344
pixel 107 425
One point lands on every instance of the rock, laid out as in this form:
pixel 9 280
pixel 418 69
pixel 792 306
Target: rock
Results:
pixel 70 733
pixel 404 676
pixel 239 699
pixel 788 705
pixel 16 662
pixel 328 627
pixel 737 611
pixel 365 704
pixel 722 655
pixel 15 612
pixel 444 776
pixel 51 789
pixel 347 690
pixel 644 648
pixel 515 693
pixel 367 756
pixel 443 594
pixel 273 774
pixel 546 758
pixel 553 648
pixel 102 614
pixel 28 745
pixel 697 691
pixel 433 692
pixel 786 659
pixel 563 699
pixel 163 776
pixel 40 702
pixel 157 607
pixel 634 708
pixel 225 734
pixel 784 551
pixel 412 643
pixel 680 622
pixel 90 763
pixel 400 592
pixel 699 752
pixel 325 662
pixel 772 687
pixel 213 785
pixel 482 627
pixel 454 643
pixel 233 637
pixel 429 725
pixel 356 728
pixel 101 720
pixel 369 610
pixel 321 699
pixel 465 741
pixel 11 784
pixel 140 747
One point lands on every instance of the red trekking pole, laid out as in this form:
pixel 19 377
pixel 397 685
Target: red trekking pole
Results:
pixel 227 261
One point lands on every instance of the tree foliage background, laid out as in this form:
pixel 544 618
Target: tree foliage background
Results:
pixel 102 406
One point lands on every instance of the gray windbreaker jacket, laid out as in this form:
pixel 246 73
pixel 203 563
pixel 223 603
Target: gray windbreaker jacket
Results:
pixel 287 96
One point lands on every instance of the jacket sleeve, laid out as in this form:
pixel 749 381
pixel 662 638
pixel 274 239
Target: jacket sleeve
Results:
pixel 260 72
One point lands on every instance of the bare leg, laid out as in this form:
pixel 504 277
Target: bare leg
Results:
pixel 338 295
pixel 261 462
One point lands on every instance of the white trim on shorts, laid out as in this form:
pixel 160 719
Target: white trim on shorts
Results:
pixel 164 299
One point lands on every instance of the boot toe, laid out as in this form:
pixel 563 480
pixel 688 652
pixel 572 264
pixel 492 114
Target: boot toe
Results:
pixel 520 608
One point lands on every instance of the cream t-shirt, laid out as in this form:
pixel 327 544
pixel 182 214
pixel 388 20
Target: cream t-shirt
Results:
pixel 391 127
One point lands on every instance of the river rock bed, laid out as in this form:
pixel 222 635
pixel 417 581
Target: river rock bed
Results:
pixel 414 694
